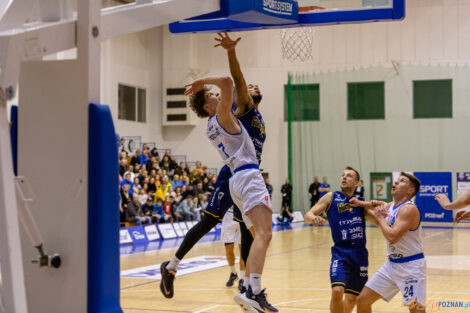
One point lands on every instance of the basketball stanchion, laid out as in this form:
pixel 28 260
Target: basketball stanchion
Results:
pixel 25 197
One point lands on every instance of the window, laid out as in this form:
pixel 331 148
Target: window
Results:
pixel 132 103
pixel 366 101
pixel 432 98
pixel 304 100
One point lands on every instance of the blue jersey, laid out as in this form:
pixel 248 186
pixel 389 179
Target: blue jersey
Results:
pixel 347 223
pixel 254 125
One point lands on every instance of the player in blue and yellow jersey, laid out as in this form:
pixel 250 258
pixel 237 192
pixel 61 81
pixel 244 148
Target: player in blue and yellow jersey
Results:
pixel 349 256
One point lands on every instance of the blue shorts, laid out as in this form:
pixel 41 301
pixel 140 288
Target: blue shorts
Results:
pixel 349 268
pixel 220 200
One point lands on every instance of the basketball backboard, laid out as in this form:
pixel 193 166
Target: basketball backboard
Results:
pixel 240 15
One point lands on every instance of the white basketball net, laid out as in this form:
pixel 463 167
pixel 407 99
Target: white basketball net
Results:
pixel 297 43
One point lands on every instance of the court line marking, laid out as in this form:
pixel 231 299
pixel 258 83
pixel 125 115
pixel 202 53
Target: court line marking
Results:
pixel 215 306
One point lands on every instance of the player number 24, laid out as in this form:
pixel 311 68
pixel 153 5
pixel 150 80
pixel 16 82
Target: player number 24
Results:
pixel 409 291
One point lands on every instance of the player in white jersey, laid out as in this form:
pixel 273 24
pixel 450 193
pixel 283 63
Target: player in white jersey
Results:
pixel 405 269
pixel 461 202
pixel 247 186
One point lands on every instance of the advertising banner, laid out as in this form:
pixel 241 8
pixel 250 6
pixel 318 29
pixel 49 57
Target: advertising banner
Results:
pixel 381 186
pixel 137 234
pixel 433 183
pixel 152 232
pixel 124 236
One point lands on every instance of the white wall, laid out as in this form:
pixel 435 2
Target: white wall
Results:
pixel 434 32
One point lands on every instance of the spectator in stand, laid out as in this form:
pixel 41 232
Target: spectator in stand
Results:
pixel 170 193
pixel 127 181
pixel 169 208
pixel 149 207
pixel 142 175
pixel 145 187
pixel 165 159
pixel 185 209
pixel 211 185
pixel 152 185
pixel 176 182
pixel 199 188
pixel 158 215
pixel 179 195
pixel 203 201
pixel 145 147
pixel 130 170
pixel 187 170
pixel 122 166
pixel 143 196
pixel 144 157
pixel 185 179
pixel 154 152
pixel 166 167
pixel 205 184
pixel 121 145
pixel 196 211
pixel 134 212
pixel 269 187
pixel 125 199
pixel 198 172
pixel 189 192
pixel 324 187
pixel 153 173
pixel 173 163
pixel 136 188
pixel 136 158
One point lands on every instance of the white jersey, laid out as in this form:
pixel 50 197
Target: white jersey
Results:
pixel 236 150
pixel 410 244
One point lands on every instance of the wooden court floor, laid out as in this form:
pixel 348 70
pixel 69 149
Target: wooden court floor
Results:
pixel 296 274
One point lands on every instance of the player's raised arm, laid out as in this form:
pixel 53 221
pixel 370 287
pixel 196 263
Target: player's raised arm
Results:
pixel 244 101
pixel 313 216
pixel 461 202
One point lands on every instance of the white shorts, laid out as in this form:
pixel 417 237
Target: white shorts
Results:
pixel 248 190
pixel 230 229
pixel 409 278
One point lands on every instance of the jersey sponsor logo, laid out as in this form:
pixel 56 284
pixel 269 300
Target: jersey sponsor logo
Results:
pixel 344 234
pixel 354 220
pixel 411 281
pixel 186 267
pixel 343 207
pixel 396 256
pixel 213 133
pixel 255 122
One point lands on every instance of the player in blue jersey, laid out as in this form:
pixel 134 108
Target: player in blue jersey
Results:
pixel 349 256
pixel 248 98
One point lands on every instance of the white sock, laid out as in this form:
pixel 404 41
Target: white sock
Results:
pixel 173 265
pixel 232 269
pixel 246 282
pixel 255 283
pixel 242 274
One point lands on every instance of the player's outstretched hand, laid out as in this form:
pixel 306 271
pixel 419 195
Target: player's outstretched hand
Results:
pixel 226 42
pixel 461 215
pixel 194 87
pixel 313 219
pixel 355 202
pixel 443 200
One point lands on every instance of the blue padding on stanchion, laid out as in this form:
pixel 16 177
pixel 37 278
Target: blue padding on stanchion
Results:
pixel 14 137
pixel 103 213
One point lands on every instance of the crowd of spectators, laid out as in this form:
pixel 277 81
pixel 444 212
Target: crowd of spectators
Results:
pixel 156 188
